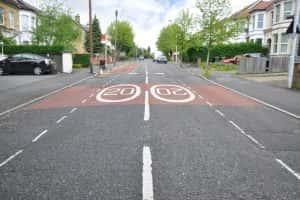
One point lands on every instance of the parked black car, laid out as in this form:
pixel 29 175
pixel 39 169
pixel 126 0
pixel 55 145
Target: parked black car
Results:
pixel 26 63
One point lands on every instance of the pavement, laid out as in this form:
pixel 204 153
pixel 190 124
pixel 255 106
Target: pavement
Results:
pixel 149 131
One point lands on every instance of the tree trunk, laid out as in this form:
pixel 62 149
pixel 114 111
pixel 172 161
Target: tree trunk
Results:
pixel 207 59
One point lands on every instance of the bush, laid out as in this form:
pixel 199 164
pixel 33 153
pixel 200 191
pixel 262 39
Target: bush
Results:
pixel 36 49
pixel 224 50
pixel 77 66
pixel 223 67
pixel 82 59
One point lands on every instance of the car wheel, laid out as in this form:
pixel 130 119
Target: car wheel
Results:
pixel 1 71
pixel 37 71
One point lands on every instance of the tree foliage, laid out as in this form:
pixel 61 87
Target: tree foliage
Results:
pixel 167 40
pixel 6 41
pixel 215 27
pixel 55 25
pixel 124 33
pixel 97 45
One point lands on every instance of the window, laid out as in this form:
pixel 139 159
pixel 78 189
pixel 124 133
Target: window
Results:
pixel 287 9
pixel 277 17
pixel 275 47
pixel 1 16
pixel 259 41
pixel 260 21
pixel 25 23
pixel 272 17
pixel 32 23
pixel 253 22
pixel 284 43
pixel 11 19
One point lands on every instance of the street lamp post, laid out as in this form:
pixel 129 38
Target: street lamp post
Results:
pixel 2 47
pixel 91 37
pixel 116 35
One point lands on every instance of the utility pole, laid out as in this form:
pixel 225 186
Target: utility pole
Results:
pixel 116 35
pixel 91 37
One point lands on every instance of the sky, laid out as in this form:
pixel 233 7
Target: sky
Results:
pixel 147 17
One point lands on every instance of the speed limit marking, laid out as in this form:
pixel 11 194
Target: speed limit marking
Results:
pixel 119 93
pixel 172 93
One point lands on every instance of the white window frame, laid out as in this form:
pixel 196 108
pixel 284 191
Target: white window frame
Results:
pixel 284 43
pixel 277 13
pixel 253 22
pixel 2 11
pixel 25 18
pixel 287 13
pixel 275 43
pixel 11 19
pixel 260 21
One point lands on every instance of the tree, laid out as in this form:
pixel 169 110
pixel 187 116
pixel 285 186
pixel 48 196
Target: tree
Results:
pixel 5 40
pixel 98 47
pixel 215 28
pixel 125 35
pixel 55 26
pixel 166 42
pixel 185 23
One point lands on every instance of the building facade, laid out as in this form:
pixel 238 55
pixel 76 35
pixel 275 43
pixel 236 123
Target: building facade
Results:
pixel 9 19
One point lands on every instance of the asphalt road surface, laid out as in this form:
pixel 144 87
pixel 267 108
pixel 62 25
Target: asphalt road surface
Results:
pixel 149 131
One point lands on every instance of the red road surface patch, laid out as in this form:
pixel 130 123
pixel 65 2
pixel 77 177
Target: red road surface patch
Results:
pixel 73 97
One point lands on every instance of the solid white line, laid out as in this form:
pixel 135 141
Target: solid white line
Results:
pixel 220 113
pixel 11 157
pixel 39 136
pixel 147 174
pixel 237 127
pixel 208 103
pixel 42 97
pixel 61 119
pixel 73 110
pixel 254 99
pixel 288 168
pixel 147 77
pixel 147 107
pixel 83 101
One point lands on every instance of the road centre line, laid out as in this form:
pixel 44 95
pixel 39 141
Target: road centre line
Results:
pixel 11 157
pixel 61 119
pixel 43 97
pixel 220 113
pixel 147 174
pixel 73 110
pixel 253 98
pixel 39 136
pixel 288 168
pixel 147 107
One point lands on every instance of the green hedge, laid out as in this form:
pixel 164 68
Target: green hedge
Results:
pixel 36 49
pixel 82 59
pixel 224 50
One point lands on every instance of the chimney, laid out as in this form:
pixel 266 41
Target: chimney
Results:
pixel 77 19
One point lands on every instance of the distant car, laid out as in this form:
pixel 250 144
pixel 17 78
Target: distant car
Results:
pixel 162 59
pixel 141 58
pixel 26 63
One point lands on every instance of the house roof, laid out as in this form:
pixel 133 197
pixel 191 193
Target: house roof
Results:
pixel 20 4
pixel 243 13
pixel 261 6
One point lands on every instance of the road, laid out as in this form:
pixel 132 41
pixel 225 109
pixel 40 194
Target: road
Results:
pixel 150 131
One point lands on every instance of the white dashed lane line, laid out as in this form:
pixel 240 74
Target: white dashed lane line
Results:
pixel 147 174
pixel 288 168
pixel 209 104
pixel 11 158
pixel 220 113
pixel 147 107
pixel 73 110
pixel 91 96
pixel 39 136
pixel 61 119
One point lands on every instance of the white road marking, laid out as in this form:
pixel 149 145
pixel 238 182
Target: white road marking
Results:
pixel 247 135
pixel 253 98
pixel 39 136
pixel 99 90
pixel 147 75
pixel 208 103
pixel 61 119
pixel 73 110
pixel 160 73
pixel 220 113
pixel 11 157
pixel 297 175
pixel 147 107
pixel 147 174
pixel 83 101
pixel 42 97
pixel 133 73
pixel 201 97
pixel 91 95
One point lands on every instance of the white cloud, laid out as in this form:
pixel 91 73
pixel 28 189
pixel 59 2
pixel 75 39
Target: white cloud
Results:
pixel 147 17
